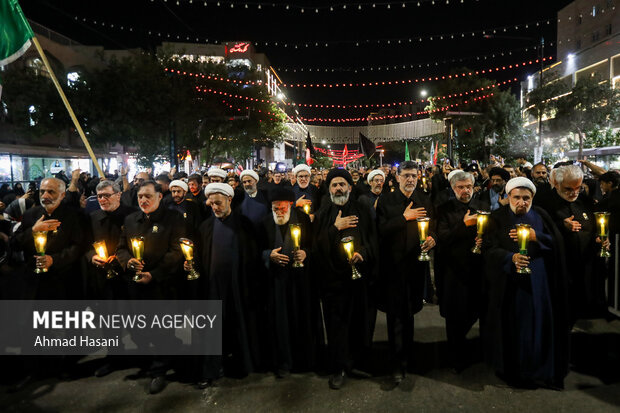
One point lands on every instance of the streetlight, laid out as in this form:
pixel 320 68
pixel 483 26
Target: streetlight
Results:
pixel 423 93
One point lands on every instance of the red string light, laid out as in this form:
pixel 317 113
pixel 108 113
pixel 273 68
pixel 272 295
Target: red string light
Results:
pixel 410 81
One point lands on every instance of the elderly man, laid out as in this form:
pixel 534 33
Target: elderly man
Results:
pixel 349 314
pixel 527 322
pixel 155 275
pixel 403 276
pixel 304 192
pixel 192 215
pixel 496 196
pixel 255 205
pixel 575 220
pixel 458 272
pixel 106 225
pixel 376 179
pixel 295 324
pixel 227 258
pixel 216 175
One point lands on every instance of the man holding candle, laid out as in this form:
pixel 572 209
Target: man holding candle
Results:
pixel 227 257
pixel 160 229
pixel 295 324
pixel 188 208
pixel 349 313
pixel 402 276
pixel 305 193
pixel 527 321
pixel 458 272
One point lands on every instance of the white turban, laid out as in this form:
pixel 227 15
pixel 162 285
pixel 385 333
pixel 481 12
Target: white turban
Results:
pixel 249 172
pixel 301 167
pixel 180 184
pixel 452 173
pixel 520 182
pixel 217 172
pixel 374 173
pixel 219 188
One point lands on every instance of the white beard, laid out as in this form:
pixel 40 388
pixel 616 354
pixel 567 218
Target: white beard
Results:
pixel 283 220
pixel 339 200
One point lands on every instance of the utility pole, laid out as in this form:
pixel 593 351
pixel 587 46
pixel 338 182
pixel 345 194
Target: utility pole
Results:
pixel 539 150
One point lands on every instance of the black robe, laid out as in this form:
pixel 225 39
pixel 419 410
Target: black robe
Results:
pixel 502 283
pixel 293 306
pixel 241 289
pixel 458 272
pixel 402 277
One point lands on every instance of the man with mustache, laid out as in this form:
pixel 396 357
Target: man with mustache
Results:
pixel 375 179
pixel 304 192
pixel 402 275
pixel 227 257
pixel 573 215
pixel 496 196
pixel 255 205
pixel 527 321
pixel 158 270
pixel 188 208
pixel 295 327
pixel 458 273
pixel 349 313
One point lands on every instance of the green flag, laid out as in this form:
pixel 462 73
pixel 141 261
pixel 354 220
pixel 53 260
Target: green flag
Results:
pixel 15 32
pixel 407 151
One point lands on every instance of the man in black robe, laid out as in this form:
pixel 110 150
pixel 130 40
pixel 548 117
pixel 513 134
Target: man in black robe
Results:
pixel 106 224
pixel 187 207
pixel 255 205
pixel 295 324
pixel 158 270
pixel 227 257
pixel 349 313
pixel 376 179
pixel 304 192
pixel 527 328
pixel 402 276
pixel 573 215
pixel 458 272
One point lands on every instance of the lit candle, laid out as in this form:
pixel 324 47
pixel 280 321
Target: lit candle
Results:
pixel 137 247
pixel 40 241
pixel 101 249
pixel 602 219
pixel 307 209
pixel 481 222
pixel 349 249
pixel 295 235
pixel 187 246
pixel 423 232
pixel 523 234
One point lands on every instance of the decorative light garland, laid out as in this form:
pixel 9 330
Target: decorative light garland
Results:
pixel 410 81
pixel 297 45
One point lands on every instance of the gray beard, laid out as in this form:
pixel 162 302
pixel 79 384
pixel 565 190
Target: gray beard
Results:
pixel 281 221
pixel 339 200
pixel 514 209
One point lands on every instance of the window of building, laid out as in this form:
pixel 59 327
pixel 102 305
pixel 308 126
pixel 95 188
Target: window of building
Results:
pixel 594 10
pixel 608 29
pixel 595 36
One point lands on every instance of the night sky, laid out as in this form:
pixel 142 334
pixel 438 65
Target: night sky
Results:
pixel 341 29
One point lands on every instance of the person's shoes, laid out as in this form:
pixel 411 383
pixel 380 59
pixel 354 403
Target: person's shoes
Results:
pixel 157 384
pixel 20 385
pixel 282 373
pixel 103 370
pixel 204 384
pixel 337 380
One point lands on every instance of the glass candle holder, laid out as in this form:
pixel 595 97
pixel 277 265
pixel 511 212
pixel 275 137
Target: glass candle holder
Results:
pixel 423 232
pixel 296 237
pixel 40 243
pixel 602 225
pixel 481 226
pixel 307 208
pixel 523 237
pixel 102 252
pixel 187 246
pixel 137 248
pixel 349 249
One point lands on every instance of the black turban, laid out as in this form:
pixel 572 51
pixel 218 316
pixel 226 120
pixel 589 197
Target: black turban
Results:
pixel 501 172
pixel 337 172
pixel 282 194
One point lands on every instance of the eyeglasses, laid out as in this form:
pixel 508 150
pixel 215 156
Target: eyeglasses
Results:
pixel 105 196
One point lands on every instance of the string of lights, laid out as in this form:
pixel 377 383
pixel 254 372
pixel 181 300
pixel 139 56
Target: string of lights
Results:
pixel 399 116
pixel 406 66
pixel 418 80
pixel 306 44
pixel 306 8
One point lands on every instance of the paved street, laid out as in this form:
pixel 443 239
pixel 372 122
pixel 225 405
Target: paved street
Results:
pixel 431 387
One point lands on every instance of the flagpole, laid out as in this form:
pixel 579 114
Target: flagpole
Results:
pixel 68 106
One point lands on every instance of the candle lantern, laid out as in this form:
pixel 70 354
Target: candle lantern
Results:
pixel 602 224
pixel 481 225
pixel 523 237
pixel 296 237
pixel 307 209
pixel 349 249
pixel 423 232
pixel 187 246
pixel 102 252
pixel 40 243
pixel 137 248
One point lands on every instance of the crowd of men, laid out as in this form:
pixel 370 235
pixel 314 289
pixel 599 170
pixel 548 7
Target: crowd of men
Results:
pixel 302 304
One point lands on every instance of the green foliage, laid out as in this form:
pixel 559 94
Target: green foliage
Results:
pixel 323 162
pixel 598 138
